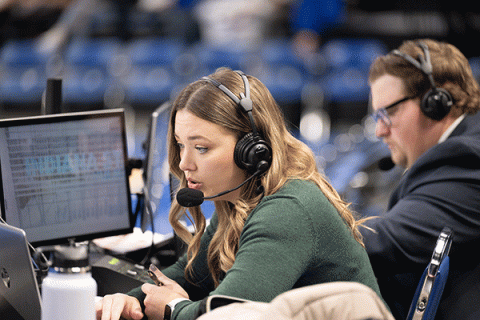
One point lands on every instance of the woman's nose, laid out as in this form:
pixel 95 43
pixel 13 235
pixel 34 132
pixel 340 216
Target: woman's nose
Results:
pixel 186 162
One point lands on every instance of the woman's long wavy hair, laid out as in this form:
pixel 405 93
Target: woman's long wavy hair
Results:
pixel 450 70
pixel 290 159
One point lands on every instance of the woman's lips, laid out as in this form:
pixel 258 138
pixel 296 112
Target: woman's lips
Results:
pixel 194 185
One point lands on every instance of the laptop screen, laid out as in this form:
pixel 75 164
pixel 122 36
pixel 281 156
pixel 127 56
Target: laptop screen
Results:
pixel 64 176
pixel 19 292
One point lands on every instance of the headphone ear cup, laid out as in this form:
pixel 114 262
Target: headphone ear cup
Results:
pixel 252 153
pixel 436 103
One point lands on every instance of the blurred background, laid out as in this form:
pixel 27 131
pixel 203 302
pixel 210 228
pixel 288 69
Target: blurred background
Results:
pixel 314 57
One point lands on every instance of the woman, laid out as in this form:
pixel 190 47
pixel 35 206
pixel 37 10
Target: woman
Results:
pixel 285 228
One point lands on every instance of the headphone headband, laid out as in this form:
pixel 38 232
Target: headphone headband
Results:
pixel 245 102
pixel 425 64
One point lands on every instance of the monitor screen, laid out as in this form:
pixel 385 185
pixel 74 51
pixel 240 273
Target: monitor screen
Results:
pixel 64 176
pixel 157 177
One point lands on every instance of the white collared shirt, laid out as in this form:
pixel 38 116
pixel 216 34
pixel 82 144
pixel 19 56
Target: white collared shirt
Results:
pixel 450 129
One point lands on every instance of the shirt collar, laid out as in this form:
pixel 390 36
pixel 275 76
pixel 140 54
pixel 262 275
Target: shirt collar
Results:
pixel 450 129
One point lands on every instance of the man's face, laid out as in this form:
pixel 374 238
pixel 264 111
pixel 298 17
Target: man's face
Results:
pixel 408 132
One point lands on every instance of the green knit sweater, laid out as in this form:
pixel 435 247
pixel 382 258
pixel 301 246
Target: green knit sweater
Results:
pixel 293 238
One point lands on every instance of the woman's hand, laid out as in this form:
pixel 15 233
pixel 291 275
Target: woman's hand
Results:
pixel 114 306
pixel 158 296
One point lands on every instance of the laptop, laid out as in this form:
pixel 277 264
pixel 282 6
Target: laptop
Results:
pixel 19 292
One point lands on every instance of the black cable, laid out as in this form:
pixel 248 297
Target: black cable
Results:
pixel 138 207
pixel 39 260
pixel 149 213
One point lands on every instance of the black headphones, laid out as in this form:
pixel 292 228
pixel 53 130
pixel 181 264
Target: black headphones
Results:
pixel 437 102
pixel 252 152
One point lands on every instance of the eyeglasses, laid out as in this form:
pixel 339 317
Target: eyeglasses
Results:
pixel 382 113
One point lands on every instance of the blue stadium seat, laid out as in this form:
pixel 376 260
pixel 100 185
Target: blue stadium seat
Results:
pixel 274 64
pixel 87 69
pixel 284 73
pixel 151 77
pixel 475 65
pixel 360 53
pixel 213 58
pixel 23 70
pixel 347 64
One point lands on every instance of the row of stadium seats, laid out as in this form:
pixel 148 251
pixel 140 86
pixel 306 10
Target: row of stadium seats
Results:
pixel 150 70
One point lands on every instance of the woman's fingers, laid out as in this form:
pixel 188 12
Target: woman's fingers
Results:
pixel 112 307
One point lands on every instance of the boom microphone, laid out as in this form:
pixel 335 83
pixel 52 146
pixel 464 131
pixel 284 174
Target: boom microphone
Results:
pixel 187 197
pixel 386 164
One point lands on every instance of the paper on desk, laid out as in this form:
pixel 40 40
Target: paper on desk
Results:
pixel 130 242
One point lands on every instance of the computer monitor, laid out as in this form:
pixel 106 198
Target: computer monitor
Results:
pixel 64 176
pixel 158 189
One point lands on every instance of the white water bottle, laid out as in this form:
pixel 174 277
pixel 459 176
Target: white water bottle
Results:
pixel 69 290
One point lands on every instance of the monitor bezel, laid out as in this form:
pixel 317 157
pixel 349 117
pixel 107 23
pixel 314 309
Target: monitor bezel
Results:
pixel 66 117
pixel 148 217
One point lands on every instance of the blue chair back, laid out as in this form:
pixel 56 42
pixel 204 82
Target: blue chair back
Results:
pixel 430 288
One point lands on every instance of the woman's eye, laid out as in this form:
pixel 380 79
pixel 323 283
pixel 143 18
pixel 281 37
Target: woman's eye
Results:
pixel 202 149
pixel 181 146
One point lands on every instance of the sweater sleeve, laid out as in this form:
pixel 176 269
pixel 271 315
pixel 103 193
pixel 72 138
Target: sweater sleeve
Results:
pixel 202 282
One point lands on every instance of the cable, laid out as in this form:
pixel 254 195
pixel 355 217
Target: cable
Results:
pixel 39 260
pixel 149 213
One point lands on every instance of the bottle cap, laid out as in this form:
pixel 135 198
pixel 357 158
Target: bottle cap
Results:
pixel 70 259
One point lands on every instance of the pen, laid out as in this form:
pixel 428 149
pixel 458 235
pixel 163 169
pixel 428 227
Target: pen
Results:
pixel 153 276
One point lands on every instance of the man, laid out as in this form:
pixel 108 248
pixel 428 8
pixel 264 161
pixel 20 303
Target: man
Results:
pixel 426 101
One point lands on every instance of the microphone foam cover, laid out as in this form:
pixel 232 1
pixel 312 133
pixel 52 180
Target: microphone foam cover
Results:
pixel 386 164
pixel 187 197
